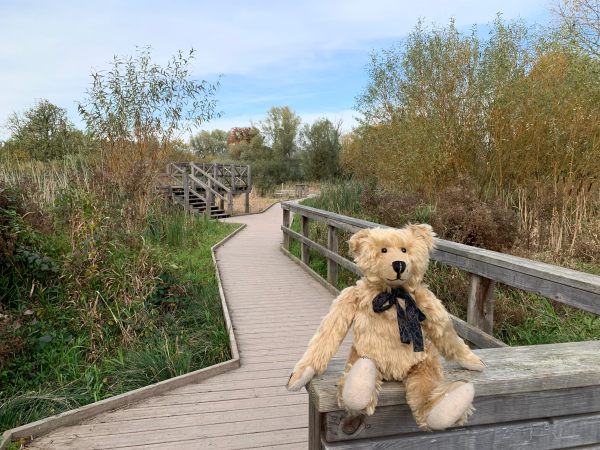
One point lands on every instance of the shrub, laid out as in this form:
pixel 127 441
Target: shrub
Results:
pixel 461 216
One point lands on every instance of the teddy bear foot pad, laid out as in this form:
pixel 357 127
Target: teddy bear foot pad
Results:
pixel 451 408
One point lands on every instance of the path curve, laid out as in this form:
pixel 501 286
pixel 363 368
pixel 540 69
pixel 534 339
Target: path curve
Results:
pixel 275 307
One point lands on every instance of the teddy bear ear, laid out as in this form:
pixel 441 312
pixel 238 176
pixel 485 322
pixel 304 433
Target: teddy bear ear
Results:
pixel 425 232
pixel 358 240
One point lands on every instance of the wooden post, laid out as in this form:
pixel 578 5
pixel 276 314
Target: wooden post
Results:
pixel 305 230
pixel 230 203
pixel 480 312
pixel 186 191
pixel 314 427
pixel 248 188
pixel 209 198
pixel 232 169
pixel 332 244
pixel 286 223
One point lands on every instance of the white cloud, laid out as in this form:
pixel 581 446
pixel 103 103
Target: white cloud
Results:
pixel 49 48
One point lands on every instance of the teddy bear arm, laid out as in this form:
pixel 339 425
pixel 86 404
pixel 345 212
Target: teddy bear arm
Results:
pixel 440 330
pixel 331 332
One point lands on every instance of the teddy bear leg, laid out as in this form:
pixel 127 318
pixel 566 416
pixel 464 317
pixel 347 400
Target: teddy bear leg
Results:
pixel 359 386
pixel 437 405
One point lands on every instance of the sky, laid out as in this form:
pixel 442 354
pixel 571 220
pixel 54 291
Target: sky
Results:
pixel 308 55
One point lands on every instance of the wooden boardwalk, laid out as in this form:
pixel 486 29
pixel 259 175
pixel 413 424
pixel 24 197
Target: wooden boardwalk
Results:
pixel 275 307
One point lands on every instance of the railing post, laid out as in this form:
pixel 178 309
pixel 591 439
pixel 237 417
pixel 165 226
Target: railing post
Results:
pixel 248 189
pixel 230 203
pixel 305 230
pixel 209 198
pixel 286 224
pixel 186 191
pixel 480 311
pixel 232 169
pixel 332 244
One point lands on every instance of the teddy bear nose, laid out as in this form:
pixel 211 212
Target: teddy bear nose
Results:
pixel 399 266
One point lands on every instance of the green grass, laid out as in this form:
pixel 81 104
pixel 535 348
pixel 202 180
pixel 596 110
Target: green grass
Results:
pixel 145 310
pixel 521 318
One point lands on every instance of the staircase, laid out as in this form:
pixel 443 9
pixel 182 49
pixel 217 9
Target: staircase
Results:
pixel 207 188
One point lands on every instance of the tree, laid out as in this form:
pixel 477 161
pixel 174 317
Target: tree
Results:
pixel 141 102
pixel 280 129
pixel 43 132
pixel 320 150
pixel 209 143
pixel 581 21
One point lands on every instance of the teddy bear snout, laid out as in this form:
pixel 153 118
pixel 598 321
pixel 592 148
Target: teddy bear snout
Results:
pixel 399 267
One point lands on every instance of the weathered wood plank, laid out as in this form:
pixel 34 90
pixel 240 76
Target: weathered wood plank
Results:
pixel 332 245
pixel 314 428
pixel 286 224
pixel 193 439
pixel 305 231
pixel 475 335
pixel 349 265
pixel 509 369
pixel 480 310
pixel 555 433
pixel 396 420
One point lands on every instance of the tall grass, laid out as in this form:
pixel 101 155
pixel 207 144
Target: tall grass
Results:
pixel 102 304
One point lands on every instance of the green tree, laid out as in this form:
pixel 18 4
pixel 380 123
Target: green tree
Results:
pixel 142 102
pixel 43 132
pixel 320 155
pixel 280 129
pixel 209 143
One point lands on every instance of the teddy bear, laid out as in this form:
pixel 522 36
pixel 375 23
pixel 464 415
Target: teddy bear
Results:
pixel 400 328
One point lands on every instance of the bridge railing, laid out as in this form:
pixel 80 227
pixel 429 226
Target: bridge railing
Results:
pixel 218 182
pixel 577 289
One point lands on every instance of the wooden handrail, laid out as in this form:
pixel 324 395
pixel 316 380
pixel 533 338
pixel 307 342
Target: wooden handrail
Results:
pixel 210 177
pixel 577 289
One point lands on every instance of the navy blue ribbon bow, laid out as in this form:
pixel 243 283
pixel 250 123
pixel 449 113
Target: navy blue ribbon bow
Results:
pixel 409 321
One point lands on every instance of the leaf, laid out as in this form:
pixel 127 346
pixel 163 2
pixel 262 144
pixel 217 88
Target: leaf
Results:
pixel 45 338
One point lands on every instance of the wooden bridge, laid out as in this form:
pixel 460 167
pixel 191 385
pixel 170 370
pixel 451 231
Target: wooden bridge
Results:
pixel 207 188
pixel 545 396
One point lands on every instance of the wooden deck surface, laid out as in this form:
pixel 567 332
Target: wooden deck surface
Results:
pixel 275 307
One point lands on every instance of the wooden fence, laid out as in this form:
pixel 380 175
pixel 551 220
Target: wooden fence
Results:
pixel 485 267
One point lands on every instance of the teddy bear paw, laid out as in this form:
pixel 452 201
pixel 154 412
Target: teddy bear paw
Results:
pixel 298 379
pixel 453 407
pixel 474 362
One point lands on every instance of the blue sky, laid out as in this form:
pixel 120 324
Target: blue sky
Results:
pixel 309 55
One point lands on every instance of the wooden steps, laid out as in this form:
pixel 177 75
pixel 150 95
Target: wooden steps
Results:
pixel 206 188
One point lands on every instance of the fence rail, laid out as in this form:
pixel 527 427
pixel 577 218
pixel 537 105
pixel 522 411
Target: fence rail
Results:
pixel 485 267
pixel 209 182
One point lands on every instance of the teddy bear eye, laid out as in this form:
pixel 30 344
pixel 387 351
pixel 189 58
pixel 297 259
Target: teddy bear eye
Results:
pixel 403 250
pixel 384 250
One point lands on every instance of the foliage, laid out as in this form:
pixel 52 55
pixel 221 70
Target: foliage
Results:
pixel 209 143
pixel 320 153
pixel 92 305
pixel 140 101
pixel 581 22
pixel 517 115
pixel 271 150
pixel 43 132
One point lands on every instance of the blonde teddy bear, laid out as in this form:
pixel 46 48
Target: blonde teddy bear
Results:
pixel 400 328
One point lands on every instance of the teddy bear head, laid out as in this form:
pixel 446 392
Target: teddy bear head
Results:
pixel 393 257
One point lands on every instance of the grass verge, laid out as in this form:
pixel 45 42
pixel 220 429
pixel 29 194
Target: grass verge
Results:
pixel 134 310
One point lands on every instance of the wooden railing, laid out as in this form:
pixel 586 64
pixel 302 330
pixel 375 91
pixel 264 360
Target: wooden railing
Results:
pixel 218 182
pixel 485 267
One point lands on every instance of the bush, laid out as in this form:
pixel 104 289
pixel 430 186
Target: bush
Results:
pixel 460 216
